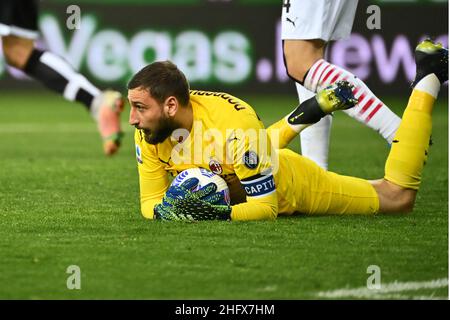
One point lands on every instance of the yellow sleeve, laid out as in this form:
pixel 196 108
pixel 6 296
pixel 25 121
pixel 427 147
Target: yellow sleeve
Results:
pixel 153 179
pixel 253 167
pixel 263 208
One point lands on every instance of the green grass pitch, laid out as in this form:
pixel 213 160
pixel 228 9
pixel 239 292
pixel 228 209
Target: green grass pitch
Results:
pixel 62 203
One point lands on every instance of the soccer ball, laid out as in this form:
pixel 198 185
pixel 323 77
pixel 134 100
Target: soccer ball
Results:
pixel 204 177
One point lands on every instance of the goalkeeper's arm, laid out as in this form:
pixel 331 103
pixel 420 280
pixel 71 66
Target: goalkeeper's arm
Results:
pixel 147 207
pixel 153 179
pixel 153 186
pixel 262 199
pixel 256 208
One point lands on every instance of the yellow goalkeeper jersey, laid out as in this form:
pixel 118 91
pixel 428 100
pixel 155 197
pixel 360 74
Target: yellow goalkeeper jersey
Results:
pixel 228 138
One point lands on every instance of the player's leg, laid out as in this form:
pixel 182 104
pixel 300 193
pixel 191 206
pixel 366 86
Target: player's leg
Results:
pixel 337 97
pixel 17 50
pixel 324 192
pixel 301 54
pixel 51 70
pixel 317 191
pixel 59 76
pixel 404 165
pixel 315 140
pixel 370 110
pixel 304 51
pixel 302 21
pixel 18 28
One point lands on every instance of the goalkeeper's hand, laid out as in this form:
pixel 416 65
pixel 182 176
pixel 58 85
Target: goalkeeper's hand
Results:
pixel 181 204
pixel 195 209
pixel 164 210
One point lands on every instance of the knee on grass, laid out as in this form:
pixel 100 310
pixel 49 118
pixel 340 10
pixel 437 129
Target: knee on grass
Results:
pixel 394 198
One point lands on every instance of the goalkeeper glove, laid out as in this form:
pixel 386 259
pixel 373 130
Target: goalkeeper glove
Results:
pixel 164 211
pixel 181 204
pixel 196 209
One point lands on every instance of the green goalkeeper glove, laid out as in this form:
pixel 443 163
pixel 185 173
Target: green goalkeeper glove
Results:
pixel 181 204
pixel 195 209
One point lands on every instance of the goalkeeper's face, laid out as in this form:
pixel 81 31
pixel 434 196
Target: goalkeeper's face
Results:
pixel 150 116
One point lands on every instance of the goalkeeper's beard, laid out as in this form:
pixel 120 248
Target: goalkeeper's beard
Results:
pixel 161 132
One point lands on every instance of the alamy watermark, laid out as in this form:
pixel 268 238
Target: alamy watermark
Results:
pixel 200 146
pixel 74 280
pixel 374 280
pixel 374 20
pixel 73 21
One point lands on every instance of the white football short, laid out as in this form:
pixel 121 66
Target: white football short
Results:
pixel 317 19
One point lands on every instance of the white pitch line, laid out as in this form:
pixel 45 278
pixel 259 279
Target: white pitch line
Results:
pixel 396 296
pixel 364 292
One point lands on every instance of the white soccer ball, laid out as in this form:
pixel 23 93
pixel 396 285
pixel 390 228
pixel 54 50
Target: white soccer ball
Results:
pixel 204 177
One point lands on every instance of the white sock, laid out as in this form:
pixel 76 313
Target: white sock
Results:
pixel 370 110
pixel 315 139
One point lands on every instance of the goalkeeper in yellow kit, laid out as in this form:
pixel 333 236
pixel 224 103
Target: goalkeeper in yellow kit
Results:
pixel 177 129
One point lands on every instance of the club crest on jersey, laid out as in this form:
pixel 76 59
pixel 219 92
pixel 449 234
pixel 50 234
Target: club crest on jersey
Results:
pixel 251 159
pixel 215 166
pixel 139 154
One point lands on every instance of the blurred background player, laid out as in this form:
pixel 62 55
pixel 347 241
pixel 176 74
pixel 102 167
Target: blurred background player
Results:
pixel 18 31
pixel 306 27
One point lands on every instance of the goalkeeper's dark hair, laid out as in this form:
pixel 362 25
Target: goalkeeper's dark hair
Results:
pixel 162 79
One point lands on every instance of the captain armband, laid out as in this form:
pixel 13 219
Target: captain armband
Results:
pixel 259 185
